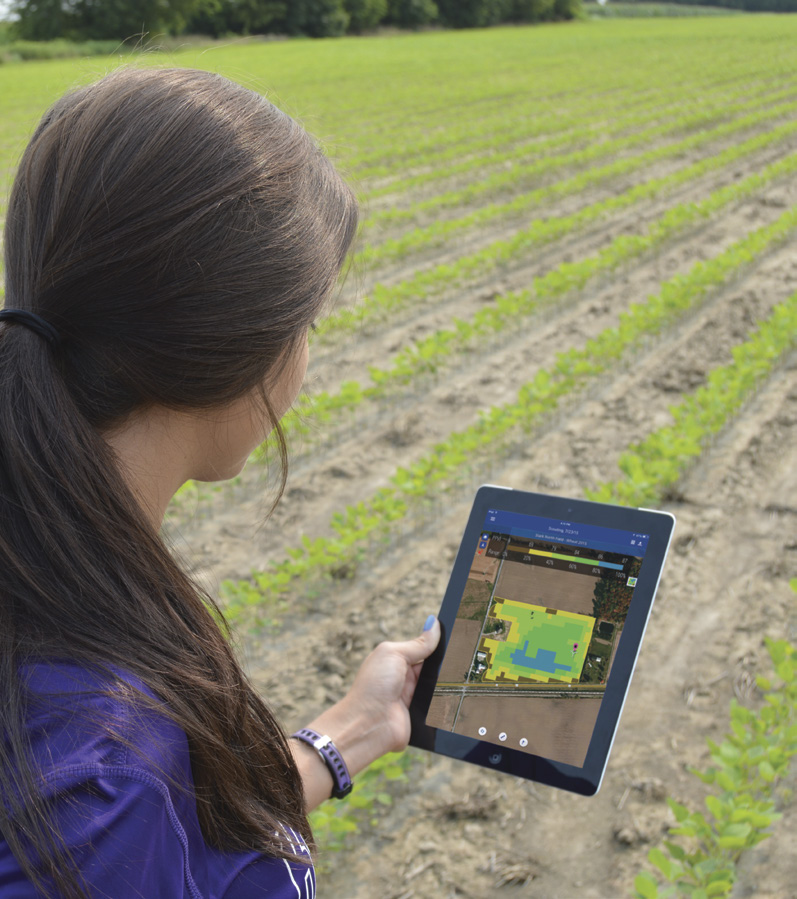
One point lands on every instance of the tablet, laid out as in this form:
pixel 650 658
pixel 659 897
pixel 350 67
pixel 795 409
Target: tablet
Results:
pixel 541 623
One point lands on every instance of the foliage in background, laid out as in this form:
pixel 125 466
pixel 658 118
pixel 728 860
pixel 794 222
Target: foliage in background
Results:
pixel 364 14
pixel 81 20
pixel 745 772
pixel 473 13
pixel 220 17
pixel 411 13
pixel 44 20
pixel 533 10
pixel 314 18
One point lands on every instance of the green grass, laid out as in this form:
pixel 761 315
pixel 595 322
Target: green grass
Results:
pixel 613 10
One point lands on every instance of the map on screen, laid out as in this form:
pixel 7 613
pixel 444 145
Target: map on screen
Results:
pixel 536 634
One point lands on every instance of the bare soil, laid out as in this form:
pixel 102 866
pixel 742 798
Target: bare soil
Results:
pixel 557 729
pixel 483 568
pixel 544 587
pixel 459 653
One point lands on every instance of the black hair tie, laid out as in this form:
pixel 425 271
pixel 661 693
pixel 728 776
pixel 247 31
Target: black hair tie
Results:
pixel 34 322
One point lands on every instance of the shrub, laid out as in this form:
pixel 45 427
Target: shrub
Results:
pixel 364 14
pixel 474 13
pixel 411 13
pixel 532 10
pixel 316 18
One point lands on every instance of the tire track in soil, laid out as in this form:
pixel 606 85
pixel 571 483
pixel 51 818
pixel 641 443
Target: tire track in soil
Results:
pixel 724 587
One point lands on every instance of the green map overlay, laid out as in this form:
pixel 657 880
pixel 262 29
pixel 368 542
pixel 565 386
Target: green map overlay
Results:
pixel 542 644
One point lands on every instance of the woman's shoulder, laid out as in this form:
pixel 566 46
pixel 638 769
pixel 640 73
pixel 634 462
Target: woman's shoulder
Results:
pixel 119 760
pixel 103 717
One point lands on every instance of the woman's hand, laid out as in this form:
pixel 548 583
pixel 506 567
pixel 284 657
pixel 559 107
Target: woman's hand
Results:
pixel 373 718
pixel 384 686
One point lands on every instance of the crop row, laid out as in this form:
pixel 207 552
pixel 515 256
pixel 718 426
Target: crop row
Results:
pixel 496 431
pixel 656 463
pixel 746 778
pixel 532 135
pixel 508 310
pixel 438 232
pixel 524 120
pixel 446 137
pixel 385 300
pixel 515 177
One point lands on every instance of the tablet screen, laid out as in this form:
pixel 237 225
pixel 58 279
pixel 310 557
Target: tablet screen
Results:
pixel 536 633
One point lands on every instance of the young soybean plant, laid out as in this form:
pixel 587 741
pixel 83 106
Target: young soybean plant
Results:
pixel 332 822
pixel 745 771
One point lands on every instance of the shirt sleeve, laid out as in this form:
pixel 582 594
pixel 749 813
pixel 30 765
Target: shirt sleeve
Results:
pixel 122 829
pixel 273 878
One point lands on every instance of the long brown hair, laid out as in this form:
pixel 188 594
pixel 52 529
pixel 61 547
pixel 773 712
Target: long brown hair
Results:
pixel 181 233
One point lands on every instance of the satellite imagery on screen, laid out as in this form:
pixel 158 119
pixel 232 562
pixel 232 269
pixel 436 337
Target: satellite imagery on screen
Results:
pixel 536 634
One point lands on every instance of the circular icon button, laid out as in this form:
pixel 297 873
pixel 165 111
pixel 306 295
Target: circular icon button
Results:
pixel 524 742
pixel 502 737
pixel 482 731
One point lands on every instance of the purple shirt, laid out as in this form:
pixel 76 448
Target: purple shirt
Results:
pixel 132 834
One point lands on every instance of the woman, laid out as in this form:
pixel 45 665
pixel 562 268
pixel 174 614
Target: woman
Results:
pixel 169 241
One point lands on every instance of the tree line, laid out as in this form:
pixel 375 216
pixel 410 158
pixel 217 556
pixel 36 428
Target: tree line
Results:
pixel 120 19
pixel 611 600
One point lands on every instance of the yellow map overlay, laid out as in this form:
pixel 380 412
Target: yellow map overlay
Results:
pixel 542 644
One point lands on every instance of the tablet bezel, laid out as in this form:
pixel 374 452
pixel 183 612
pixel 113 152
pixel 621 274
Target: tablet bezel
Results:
pixel 587 779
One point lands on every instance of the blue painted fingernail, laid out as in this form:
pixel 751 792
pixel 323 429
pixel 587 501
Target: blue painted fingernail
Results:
pixel 430 622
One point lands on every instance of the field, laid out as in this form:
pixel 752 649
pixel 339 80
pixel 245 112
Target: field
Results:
pixel 564 737
pixel 464 637
pixel 561 639
pixel 562 592
pixel 571 236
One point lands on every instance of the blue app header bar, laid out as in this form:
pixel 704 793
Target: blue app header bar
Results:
pixel 568 533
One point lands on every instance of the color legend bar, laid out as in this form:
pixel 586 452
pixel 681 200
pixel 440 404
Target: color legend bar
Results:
pixel 580 559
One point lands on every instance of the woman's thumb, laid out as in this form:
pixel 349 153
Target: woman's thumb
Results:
pixel 428 639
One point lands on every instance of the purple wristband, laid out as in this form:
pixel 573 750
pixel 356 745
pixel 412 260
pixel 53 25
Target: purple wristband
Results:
pixel 323 745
